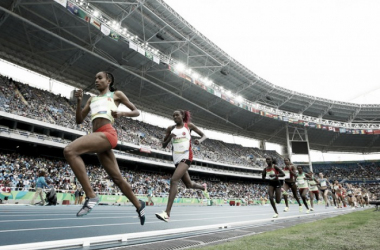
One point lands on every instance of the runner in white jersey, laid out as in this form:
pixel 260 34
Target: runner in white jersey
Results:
pixel 180 137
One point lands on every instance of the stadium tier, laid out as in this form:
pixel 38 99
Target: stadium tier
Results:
pixel 19 99
pixel 213 157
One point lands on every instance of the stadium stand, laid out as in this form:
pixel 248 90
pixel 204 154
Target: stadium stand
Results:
pixel 18 171
pixel 20 99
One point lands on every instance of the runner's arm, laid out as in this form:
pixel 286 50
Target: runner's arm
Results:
pixel 280 172
pixel 168 137
pixel 199 132
pixel 264 174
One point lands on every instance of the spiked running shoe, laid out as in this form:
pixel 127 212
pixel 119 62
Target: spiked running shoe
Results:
pixel 311 209
pixel 275 216
pixel 205 193
pixel 286 209
pixel 163 216
pixel 300 209
pixel 88 205
pixel 308 211
pixel 141 212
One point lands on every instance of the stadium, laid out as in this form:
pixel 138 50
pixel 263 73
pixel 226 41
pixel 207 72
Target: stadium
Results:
pixel 164 65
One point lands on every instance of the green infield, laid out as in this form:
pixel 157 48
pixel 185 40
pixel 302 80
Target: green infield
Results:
pixel 357 230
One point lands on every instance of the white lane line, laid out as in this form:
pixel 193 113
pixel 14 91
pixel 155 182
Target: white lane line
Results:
pixel 96 218
pixel 118 224
pixel 135 223
pixel 107 213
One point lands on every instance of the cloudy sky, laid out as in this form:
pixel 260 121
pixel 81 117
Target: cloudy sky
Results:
pixel 326 48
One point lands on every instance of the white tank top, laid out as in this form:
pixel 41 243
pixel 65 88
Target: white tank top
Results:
pixel 181 144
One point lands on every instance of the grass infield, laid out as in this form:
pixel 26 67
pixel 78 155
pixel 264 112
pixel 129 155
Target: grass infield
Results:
pixel 357 230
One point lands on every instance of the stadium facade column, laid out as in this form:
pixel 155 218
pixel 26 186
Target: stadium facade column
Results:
pixel 288 148
pixel 308 149
pixel 263 145
pixel 297 134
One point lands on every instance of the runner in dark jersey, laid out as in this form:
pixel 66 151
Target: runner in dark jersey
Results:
pixel 290 183
pixel 271 174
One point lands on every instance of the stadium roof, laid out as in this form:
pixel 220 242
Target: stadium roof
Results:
pixel 45 37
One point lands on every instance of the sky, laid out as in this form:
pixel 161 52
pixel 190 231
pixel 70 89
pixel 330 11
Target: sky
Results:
pixel 324 48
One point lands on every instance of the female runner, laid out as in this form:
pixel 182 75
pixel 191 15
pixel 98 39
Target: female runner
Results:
pixel 313 189
pixel 323 187
pixel 350 196
pixel 303 186
pixel 339 194
pixel 271 173
pixel 103 112
pixel 180 137
pixel 290 173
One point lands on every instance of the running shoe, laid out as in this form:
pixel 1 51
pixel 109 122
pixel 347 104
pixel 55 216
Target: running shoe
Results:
pixel 275 216
pixel 286 209
pixel 353 208
pixel 335 207
pixel 308 211
pixel 311 209
pixel 300 209
pixel 205 193
pixel 88 205
pixel 141 212
pixel 163 216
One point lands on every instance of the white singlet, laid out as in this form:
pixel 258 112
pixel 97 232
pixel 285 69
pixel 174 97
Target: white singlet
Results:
pixel 181 144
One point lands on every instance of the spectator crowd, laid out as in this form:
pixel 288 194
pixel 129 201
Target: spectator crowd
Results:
pixel 24 100
pixel 19 172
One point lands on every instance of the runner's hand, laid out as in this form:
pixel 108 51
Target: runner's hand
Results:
pixel 79 94
pixel 116 114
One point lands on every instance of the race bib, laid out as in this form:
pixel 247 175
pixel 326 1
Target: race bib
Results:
pixel 180 145
pixel 300 182
pixel 287 174
pixel 323 184
pixel 99 107
pixel 270 173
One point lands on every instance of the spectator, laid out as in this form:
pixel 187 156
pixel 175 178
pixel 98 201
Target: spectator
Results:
pixel 40 183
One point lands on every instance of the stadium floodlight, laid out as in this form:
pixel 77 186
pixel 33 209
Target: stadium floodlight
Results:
pixel 189 70
pixel 179 66
pixel 239 98
pixel 96 13
pixel 195 75
pixel 229 93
